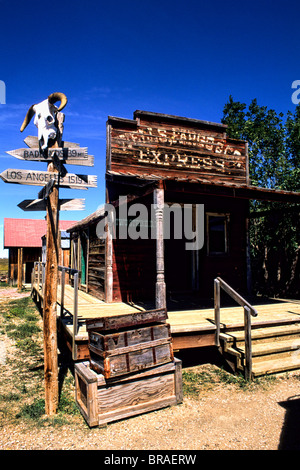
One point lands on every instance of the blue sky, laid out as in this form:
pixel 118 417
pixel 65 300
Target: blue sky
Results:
pixel 111 58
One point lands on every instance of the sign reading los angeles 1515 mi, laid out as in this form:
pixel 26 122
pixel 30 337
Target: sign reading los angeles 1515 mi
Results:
pixel 40 178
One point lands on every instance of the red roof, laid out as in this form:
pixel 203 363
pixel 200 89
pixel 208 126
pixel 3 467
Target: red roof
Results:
pixel 28 232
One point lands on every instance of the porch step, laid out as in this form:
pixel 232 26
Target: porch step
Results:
pixel 275 366
pixel 262 333
pixel 274 349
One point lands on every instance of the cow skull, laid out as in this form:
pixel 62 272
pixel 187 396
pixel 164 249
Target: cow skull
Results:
pixel 46 118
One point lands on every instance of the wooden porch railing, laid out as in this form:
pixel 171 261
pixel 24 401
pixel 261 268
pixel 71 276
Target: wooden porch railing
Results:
pixel 38 278
pixel 248 311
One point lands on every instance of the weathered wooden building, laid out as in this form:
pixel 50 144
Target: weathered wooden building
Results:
pixel 23 239
pixel 172 234
pixel 160 168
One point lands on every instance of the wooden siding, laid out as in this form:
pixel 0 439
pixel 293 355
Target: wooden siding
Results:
pixel 96 264
pixel 29 256
pixel 134 269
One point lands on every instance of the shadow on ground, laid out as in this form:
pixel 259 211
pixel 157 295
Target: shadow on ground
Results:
pixel 200 356
pixel 290 433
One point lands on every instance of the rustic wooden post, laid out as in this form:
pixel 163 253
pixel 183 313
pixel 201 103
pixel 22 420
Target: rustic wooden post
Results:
pixel 50 302
pixel 20 269
pixel 62 291
pixel 217 309
pixel 75 316
pixel 160 288
pixel 248 343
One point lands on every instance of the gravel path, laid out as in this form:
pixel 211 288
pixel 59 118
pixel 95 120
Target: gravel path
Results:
pixel 222 417
pixel 225 419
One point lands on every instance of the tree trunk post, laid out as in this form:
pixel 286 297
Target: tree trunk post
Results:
pixel 50 302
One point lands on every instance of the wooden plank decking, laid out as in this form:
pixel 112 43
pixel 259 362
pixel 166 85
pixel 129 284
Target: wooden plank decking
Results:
pixel 190 328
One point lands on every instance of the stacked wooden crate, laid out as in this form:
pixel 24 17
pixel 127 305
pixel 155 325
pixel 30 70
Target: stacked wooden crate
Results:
pixel 131 368
pixel 129 343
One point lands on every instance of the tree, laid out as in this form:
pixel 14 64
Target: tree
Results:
pixel 274 162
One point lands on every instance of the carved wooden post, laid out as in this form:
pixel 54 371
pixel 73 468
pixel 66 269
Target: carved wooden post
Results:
pixel 50 302
pixel 109 256
pixel 160 288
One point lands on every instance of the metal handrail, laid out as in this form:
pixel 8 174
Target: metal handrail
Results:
pixel 248 311
pixel 75 273
pixel 71 271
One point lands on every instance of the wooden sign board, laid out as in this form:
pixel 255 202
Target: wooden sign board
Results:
pixel 32 141
pixel 40 178
pixel 72 156
pixel 40 204
pixel 172 147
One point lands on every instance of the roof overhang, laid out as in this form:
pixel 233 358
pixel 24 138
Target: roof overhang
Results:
pixel 218 188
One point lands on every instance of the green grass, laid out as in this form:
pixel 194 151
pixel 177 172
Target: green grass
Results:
pixel 198 379
pixel 22 324
pixel 22 386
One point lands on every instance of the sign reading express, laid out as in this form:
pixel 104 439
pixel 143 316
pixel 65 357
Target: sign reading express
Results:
pixel 191 152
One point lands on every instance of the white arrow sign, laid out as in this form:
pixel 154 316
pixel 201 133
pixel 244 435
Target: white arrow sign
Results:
pixel 40 178
pixel 64 204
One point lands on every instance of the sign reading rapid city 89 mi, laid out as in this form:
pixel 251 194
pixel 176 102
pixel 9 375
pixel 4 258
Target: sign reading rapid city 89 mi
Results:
pixel 40 178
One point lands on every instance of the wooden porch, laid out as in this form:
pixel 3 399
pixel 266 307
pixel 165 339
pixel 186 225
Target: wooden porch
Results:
pixel 191 327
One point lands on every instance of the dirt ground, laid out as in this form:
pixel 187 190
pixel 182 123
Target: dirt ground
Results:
pixel 220 417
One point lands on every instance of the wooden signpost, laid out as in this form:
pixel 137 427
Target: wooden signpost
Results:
pixel 56 155
pixel 50 301
pixel 40 205
pixel 41 178
pixel 72 156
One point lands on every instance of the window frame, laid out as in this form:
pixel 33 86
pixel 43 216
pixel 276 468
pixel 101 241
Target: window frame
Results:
pixel 226 217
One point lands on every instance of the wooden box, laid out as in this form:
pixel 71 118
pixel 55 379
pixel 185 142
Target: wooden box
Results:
pixel 116 322
pixel 117 353
pixel 102 401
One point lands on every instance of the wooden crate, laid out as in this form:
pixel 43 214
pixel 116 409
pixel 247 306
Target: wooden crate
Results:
pixel 102 401
pixel 116 322
pixel 126 351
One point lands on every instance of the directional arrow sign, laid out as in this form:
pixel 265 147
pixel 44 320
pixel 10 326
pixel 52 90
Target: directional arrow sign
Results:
pixel 40 204
pixel 72 155
pixel 40 178
pixel 33 141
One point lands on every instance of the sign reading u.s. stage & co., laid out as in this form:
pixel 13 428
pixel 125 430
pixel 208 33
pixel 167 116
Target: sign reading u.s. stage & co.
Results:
pixel 40 178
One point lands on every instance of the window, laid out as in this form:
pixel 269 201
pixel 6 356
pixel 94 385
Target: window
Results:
pixel 217 233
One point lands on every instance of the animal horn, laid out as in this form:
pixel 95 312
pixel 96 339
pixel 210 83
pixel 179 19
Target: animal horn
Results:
pixel 28 117
pixel 54 97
